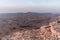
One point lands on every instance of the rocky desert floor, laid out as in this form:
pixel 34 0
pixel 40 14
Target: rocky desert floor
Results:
pixel 42 33
pixel 29 26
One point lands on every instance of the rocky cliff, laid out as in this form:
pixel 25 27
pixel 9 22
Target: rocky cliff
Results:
pixel 45 32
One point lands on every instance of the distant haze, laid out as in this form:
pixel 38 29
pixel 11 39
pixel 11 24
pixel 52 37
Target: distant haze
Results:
pixel 11 6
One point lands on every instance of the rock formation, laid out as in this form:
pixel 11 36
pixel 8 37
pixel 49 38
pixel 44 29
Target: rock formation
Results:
pixel 43 33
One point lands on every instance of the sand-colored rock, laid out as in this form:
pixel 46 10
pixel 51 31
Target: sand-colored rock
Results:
pixel 43 33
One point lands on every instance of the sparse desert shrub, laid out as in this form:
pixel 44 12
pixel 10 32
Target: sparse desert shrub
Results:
pixel 23 26
pixel 13 28
pixel 58 21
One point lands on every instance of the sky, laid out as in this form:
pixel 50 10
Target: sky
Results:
pixel 9 6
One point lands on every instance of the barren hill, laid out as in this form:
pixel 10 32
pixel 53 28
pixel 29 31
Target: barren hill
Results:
pixel 27 26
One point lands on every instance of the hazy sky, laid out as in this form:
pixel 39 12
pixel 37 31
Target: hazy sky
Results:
pixel 29 5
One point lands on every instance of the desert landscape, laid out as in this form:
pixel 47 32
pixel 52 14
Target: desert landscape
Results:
pixel 29 19
pixel 29 26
